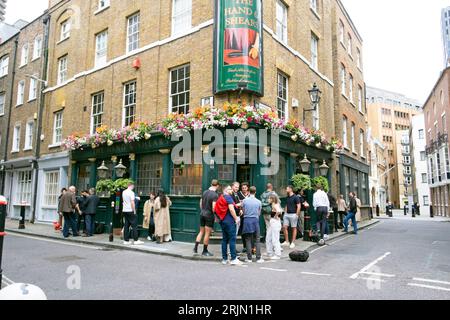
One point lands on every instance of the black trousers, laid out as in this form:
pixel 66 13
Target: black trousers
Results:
pixel 130 223
pixel 336 218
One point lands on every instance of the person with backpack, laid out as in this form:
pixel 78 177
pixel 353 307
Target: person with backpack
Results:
pixel 225 211
pixel 207 219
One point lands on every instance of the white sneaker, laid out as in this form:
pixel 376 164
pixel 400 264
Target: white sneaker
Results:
pixel 275 258
pixel 224 262
pixel 126 243
pixel 149 238
pixel 260 261
pixel 248 261
pixel 285 244
pixel 139 243
pixel 326 237
pixel 292 246
pixel 236 263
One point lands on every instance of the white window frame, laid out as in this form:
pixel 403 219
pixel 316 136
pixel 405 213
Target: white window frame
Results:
pixel 58 119
pixel 341 32
pixel 98 107
pixel 314 5
pixel 345 132
pixel 20 93
pixel 133 32
pixel 101 48
pixel 24 184
pixel 186 93
pixel 127 95
pixel 51 189
pixel 360 99
pixel 282 101
pixel 350 90
pixel 62 69
pixel 343 77
pixel 314 52
pixel 24 57
pixel 182 19
pixel 2 103
pixel 66 27
pixel 4 66
pixel 282 21
pixel 353 137
pixel 29 132
pixel 103 4
pixel 37 47
pixel 32 92
pixel 362 144
pixel 16 139
pixel 350 45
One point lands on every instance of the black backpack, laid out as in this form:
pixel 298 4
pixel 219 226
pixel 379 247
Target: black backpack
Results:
pixel 299 256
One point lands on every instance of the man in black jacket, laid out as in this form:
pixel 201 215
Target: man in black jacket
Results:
pixel 90 210
pixel 351 214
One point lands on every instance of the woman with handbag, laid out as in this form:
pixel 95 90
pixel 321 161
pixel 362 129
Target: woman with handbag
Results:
pixel 149 217
pixel 163 230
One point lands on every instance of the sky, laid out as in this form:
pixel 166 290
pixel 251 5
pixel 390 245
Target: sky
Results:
pixel 402 40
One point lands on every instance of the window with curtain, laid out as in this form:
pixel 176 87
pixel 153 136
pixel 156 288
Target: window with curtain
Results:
pixel 51 188
pixel 24 187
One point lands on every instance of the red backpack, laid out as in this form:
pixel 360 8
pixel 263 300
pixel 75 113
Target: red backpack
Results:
pixel 221 208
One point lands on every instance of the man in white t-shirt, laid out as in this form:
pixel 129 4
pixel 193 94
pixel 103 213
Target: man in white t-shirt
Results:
pixel 130 214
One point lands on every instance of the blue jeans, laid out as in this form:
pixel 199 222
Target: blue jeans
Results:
pixel 70 222
pixel 90 224
pixel 228 238
pixel 350 216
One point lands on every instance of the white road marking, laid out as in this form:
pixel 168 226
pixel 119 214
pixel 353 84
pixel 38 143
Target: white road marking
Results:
pixel 372 279
pixel 428 287
pixel 369 266
pixel 432 281
pixel 317 274
pixel 379 274
pixel 56 241
pixel 6 281
pixel 276 270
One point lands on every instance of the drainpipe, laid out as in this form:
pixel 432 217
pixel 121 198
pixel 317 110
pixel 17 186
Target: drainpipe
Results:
pixel 40 115
pixel 13 77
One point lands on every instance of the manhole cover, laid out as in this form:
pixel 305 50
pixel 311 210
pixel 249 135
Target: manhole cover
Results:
pixel 63 259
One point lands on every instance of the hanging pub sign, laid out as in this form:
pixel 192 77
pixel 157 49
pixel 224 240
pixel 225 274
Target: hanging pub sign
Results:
pixel 238 53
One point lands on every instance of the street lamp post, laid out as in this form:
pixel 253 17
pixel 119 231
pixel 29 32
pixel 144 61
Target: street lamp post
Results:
pixel 315 95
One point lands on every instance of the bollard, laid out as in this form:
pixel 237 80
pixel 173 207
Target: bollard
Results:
pixel 3 204
pixel 22 218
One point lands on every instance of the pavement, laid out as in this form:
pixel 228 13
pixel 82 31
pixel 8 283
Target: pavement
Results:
pixel 174 249
pixel 395 259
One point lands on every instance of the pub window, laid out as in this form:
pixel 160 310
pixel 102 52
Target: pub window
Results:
pixel 24 187
pixel 84 177
pixel 225 174
pixel 129 104
pixel 187 179
pixel 280 180
pixel 282 98
pixel 347 182
pixel 149 174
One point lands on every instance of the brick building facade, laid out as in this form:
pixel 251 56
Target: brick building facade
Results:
pixel 437 122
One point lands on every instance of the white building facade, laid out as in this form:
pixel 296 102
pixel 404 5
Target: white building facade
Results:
pixel 419 162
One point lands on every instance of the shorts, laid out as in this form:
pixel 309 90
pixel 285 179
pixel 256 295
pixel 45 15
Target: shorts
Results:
pixel 290 220
pixel 207 221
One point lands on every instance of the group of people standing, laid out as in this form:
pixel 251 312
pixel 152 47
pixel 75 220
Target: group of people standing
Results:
pixel 78 213
pixel 239 212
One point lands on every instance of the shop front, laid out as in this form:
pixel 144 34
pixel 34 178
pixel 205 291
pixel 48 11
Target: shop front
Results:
pixel 149 160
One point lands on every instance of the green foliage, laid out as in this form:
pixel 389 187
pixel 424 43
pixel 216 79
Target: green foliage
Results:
pixel 321 181
pixel 122 184
pixel 301 182
pixel 105 186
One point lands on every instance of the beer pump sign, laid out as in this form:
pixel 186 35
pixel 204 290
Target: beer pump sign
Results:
pixel 238 50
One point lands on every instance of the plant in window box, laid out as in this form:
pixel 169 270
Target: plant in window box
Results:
pixel 301 182
pixel 122 184
pixel 105 188
pixel 321 181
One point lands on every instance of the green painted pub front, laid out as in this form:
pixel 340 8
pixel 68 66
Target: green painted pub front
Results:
pixel 150 165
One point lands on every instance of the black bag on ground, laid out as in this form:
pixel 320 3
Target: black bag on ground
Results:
pixel 299 256
pixel 99 228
